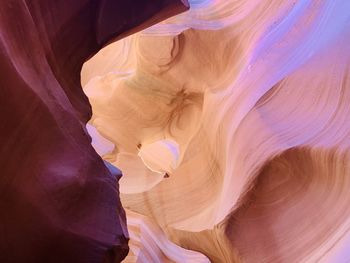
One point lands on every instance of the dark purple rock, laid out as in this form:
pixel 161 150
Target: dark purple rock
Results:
pixel 58 201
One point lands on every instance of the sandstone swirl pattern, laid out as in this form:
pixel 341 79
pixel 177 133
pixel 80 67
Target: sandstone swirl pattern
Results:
pixel 255 96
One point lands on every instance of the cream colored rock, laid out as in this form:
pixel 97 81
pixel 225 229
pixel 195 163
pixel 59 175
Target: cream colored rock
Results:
pixel 161 156
pixel 256 96
pixel 137 178
pixel 149 244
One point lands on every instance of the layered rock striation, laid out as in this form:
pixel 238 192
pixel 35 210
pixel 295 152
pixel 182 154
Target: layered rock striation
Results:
pixel 254 96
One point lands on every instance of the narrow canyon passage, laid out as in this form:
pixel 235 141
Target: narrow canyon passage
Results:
pixel 186 131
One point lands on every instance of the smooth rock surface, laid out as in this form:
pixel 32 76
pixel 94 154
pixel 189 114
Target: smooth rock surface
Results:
pixel 256 95
pixel 58 201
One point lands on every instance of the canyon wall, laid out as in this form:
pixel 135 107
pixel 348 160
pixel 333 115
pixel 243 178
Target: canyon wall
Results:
pixel 230 123
pixel 59 202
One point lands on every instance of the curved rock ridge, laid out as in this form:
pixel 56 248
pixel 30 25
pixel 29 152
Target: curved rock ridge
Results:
pixel 58 200
pixel 149 244
pixel 256 96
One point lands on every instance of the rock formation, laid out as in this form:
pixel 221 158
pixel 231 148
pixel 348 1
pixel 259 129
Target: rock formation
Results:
pixel 59 201
pixel 254 98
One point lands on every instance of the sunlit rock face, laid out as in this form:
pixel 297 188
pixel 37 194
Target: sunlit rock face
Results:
pixel 255 98
pixel 59 202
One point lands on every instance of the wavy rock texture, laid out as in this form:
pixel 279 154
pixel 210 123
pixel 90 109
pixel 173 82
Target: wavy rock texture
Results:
pixel 255 96
pixel 58 200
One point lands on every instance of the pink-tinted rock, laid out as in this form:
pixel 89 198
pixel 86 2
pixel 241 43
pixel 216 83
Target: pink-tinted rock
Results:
pixel 58 201
pixel 254 96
